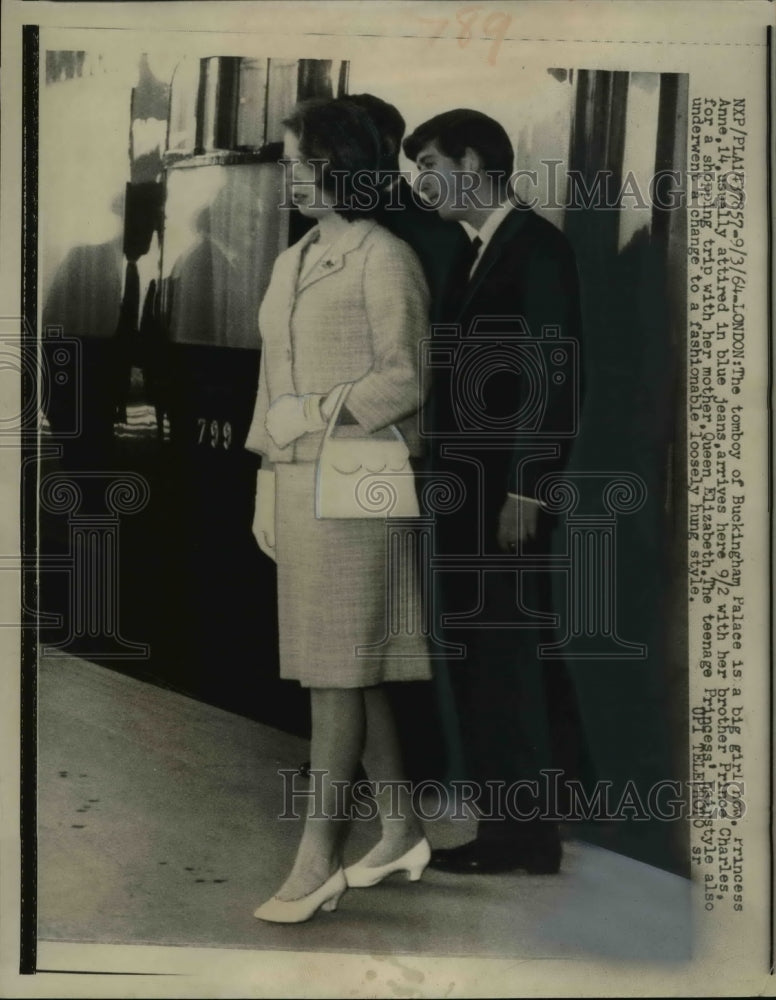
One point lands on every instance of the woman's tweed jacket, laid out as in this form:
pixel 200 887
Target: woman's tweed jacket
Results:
pixel 357 317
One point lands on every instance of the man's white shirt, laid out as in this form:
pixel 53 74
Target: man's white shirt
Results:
pixel 493 221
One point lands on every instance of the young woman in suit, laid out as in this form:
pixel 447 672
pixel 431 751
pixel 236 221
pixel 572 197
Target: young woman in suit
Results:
pixel 344 312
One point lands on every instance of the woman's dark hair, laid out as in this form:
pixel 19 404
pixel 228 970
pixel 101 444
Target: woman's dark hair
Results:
pixel 342 137
pixel 454 130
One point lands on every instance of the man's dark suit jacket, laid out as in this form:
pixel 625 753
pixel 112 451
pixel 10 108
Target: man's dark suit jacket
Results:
pixel 440 245
pixel 509 380
pixel 506 391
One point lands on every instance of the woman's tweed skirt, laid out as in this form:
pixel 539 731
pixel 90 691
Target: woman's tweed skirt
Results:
pixel 349 616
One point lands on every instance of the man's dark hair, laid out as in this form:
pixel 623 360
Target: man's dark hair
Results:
pixel 454 130
pixel 342 136
pixel 388 121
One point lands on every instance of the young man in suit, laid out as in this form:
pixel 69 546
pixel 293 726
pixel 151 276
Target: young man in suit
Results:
pixel 504 411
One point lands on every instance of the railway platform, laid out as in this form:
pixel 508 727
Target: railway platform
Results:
pixel 157 825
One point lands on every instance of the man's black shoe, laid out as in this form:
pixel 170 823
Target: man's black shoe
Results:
pixel 479 857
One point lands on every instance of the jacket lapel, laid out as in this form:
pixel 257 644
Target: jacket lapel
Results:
pixel 334 261
pixel 283 287
pixel 509 228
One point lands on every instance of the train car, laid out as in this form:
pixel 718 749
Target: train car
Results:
pixel 161 323
pixel 179 343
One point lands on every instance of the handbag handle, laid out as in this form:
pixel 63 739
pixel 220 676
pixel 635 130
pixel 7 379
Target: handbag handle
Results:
pixel 344 390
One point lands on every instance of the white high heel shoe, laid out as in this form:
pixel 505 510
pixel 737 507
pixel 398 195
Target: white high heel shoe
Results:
pixel 360 876
pixel 296 911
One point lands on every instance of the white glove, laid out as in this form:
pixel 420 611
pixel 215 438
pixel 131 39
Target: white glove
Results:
pixel 264 513
pixel 290 417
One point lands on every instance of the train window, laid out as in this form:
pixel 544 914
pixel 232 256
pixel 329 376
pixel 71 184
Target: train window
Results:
pixel 281 95
pixel 232 103
pixel 238 104
pixel 251 104
pixel 208 110
pixel 182 131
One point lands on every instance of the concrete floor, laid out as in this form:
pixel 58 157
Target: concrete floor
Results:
pixel 157 826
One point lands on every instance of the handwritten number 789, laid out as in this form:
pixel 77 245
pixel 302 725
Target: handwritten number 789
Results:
pixel 467 20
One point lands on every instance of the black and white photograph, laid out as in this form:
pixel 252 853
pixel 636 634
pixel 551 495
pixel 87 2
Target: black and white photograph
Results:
pixel 385 513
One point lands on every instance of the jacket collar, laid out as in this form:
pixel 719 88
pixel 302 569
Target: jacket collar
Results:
pixel 334 260
pixel 509 228
pixel 279 301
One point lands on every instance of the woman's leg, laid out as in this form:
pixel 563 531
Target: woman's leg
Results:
pixel 383 763
pixel 338 727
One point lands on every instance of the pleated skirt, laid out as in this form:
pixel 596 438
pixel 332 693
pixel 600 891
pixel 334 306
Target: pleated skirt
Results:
pixel 349 603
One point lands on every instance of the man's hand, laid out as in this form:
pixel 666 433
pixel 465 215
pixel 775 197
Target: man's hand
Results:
pixel 516 522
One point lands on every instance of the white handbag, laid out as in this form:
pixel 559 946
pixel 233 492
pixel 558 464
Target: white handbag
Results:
pixel 360 477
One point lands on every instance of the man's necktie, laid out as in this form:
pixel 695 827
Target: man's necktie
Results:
pixel 458 279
